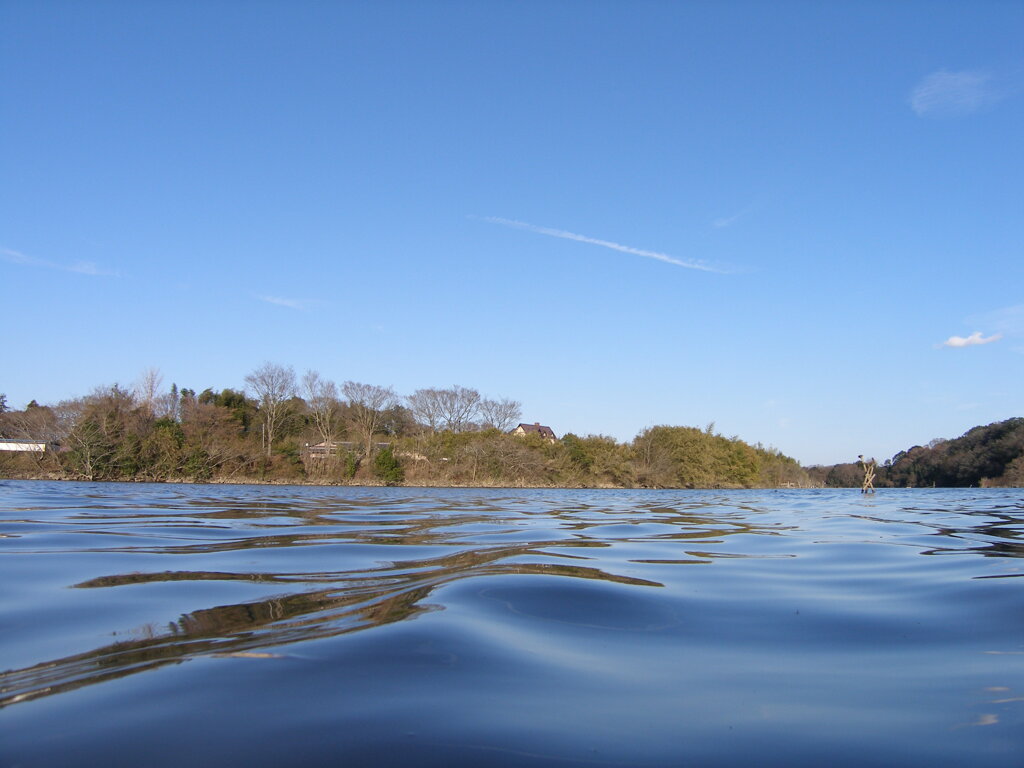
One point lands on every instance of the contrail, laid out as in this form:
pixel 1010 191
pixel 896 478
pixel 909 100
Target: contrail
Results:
pixel 603 243
pixel 79 267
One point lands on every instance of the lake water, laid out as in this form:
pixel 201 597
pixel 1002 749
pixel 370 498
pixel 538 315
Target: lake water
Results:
pixel 167 625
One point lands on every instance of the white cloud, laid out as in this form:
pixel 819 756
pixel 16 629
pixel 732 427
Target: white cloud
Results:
pixel 79 267
pixel 299 304
pixel 971 341
pixel 687 264
pixel 943 93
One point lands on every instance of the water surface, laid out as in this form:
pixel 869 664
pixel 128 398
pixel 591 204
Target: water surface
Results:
pixel 253 625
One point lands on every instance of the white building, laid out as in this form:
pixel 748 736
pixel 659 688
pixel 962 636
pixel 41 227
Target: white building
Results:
pixel 28 446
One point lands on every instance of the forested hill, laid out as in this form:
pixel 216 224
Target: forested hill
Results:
pixel 992 455
pixel 280 429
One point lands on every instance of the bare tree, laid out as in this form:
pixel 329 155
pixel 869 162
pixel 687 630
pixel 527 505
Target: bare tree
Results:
pixel 458 407
pixel 273 387
pixel 170 404
pixel 426 407
pixel 66 416
pixel 36 422
pixel 147 389
pixel 366 404
pixel 500 414
pixel 454 408
pixel 322 399
pixel 97 426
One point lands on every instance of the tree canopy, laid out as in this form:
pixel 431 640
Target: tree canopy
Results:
pixel 990 455
pixel 359 433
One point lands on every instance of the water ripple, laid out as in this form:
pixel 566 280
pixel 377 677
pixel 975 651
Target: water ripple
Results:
pixel 902 605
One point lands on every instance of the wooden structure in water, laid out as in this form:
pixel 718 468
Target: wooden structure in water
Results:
pixel 869 468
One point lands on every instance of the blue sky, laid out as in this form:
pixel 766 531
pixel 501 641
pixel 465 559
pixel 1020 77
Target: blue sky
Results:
pixel 802 221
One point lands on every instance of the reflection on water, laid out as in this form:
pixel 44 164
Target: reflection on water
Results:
pixel 663 612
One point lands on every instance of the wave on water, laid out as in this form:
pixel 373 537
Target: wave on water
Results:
pixel 513 626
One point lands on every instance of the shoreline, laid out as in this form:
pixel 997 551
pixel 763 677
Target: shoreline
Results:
pixel 328 484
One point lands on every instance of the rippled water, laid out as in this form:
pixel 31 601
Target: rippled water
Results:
pixel 252 625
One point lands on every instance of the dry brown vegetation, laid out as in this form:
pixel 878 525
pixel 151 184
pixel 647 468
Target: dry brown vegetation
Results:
pixel 367 435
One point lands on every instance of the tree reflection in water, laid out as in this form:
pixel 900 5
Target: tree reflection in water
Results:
pixel 352 604
pixel 444 536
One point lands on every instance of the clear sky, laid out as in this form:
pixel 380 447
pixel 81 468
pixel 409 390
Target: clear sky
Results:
pixel 802 221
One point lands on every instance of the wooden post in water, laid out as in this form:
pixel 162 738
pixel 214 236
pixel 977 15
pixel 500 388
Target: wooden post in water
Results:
pixel 869 474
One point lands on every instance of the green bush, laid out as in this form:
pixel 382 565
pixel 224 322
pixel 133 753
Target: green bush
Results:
pixel 387 468
pixel 351 465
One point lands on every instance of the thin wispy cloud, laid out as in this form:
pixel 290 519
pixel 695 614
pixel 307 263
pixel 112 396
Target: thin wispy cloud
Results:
pixel 728 221
pixel 564 235
pixel 78 267
pixel 300 304
pixel 16 258
pixel 974 340
pixel 949 94
pixel 86 268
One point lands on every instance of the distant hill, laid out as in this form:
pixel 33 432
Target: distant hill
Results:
pixel 992 455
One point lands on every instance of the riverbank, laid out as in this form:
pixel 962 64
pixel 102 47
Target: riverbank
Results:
pixel 368 483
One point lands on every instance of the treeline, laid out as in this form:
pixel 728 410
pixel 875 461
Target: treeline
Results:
pixel 988 456
pixel 281 428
